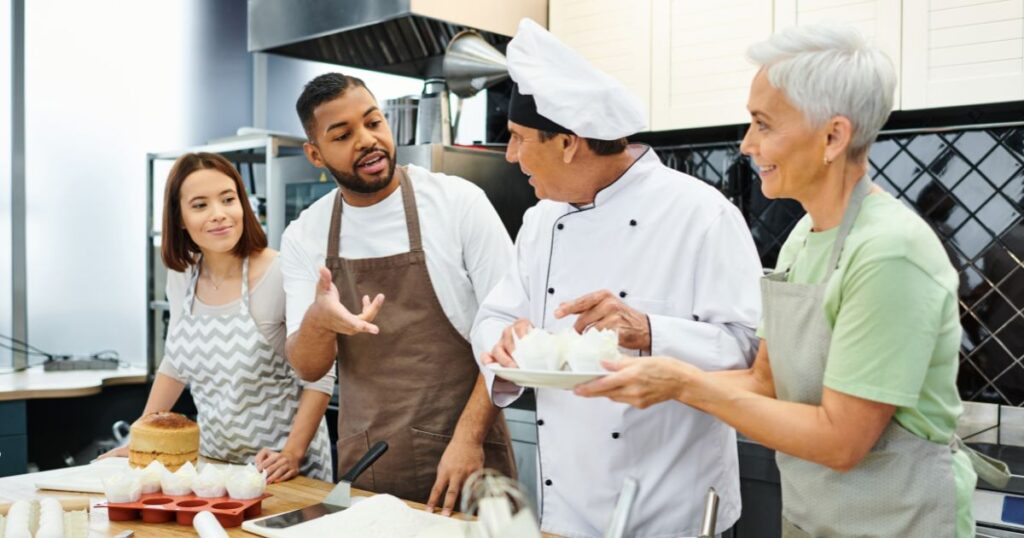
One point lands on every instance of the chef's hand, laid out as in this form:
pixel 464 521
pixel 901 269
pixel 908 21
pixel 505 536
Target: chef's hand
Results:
pixel 119 452
pixel 641 382
pixel 502 351
pixel 280 466
pixel 603 310
pixel 460 459
pixel 333 316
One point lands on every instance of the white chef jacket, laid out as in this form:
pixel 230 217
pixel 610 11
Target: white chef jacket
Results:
pixel 674 248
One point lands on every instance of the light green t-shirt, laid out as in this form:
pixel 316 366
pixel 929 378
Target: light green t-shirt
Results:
pixel 892 306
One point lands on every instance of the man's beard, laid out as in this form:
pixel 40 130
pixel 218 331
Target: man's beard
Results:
pixel 355 183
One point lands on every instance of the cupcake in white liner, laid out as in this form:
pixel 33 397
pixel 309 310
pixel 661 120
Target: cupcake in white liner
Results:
pixel 537 350
pixel 179 482
pixel 595 345
pixel 567 339
pixel 123 487
pixel 209 482
pixel 151 475
pixel 246 482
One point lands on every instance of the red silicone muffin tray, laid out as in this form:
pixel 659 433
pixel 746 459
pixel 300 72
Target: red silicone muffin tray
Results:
pixel 160 508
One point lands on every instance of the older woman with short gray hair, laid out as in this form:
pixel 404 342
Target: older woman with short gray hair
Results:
pixel 854 383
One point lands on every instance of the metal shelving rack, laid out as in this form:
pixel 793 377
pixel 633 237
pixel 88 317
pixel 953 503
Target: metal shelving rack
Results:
pixel 279 157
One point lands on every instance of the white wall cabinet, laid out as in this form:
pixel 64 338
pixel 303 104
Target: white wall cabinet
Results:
pixel 686 58
pixel 613 35
pixel 700 75
pixel 879 20
pixel 959 52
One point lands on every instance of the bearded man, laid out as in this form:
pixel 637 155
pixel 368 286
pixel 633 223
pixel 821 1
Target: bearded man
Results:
pixel 383 278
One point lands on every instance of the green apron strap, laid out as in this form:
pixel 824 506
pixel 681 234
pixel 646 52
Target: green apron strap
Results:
pixel 991 470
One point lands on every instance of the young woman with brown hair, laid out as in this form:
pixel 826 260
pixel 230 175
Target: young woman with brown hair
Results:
pixel 227 331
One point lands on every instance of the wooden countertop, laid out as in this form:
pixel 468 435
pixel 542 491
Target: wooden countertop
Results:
pixel 295 493
pixel 35 383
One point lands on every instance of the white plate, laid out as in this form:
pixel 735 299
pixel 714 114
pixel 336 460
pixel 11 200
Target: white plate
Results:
pixel 544 379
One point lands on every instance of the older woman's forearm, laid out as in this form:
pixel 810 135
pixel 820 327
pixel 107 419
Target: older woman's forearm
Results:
pixel 837 434
pixel 799 430
pixel 756 379
pixel 744 381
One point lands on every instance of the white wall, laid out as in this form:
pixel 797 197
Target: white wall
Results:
pixel 106 82
pixel 5 177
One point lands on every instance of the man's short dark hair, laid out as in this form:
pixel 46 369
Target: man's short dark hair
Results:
pixel 320 90
pixel 600 147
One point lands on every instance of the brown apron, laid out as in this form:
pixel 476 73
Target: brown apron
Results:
pixel 409 384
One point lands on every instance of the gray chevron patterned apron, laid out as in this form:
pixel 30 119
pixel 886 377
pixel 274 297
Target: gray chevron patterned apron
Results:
pixel 246 393
pixel 409 384
pixel 904 487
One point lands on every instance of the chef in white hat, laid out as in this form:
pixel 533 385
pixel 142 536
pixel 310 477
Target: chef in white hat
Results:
pixel 618 241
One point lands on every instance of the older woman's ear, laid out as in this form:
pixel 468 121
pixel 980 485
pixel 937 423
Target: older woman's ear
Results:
pixel 839 133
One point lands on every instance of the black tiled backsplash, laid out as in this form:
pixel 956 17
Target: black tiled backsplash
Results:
pixel 969 185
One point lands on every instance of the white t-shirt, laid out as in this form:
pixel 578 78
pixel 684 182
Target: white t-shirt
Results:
pixel 266 304
pixel 466 245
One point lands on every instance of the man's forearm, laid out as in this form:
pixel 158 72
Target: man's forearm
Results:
pixel 311 350
pixel 478 416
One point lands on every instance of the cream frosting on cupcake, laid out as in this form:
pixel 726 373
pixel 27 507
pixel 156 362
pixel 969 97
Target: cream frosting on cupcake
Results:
pixel 179 482
pixel 123 487
pixel 246 482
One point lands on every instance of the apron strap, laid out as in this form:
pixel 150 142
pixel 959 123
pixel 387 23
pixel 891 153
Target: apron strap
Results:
pixel 334 233
pixel 412 218
pixel 860 192
pixel 244 307
pixel 190 290
pixel 991 470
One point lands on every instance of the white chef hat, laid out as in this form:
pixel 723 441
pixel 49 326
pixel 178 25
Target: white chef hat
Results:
pixel 557 90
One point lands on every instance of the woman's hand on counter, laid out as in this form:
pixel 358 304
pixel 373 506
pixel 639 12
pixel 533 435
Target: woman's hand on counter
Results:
pixel 280 466
pixel 119 452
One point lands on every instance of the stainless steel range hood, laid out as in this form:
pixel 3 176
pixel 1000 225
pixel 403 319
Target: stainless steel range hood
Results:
pixel 404 37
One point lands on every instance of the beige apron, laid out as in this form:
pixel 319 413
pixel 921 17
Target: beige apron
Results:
pixel 409 384
pixel 905 485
